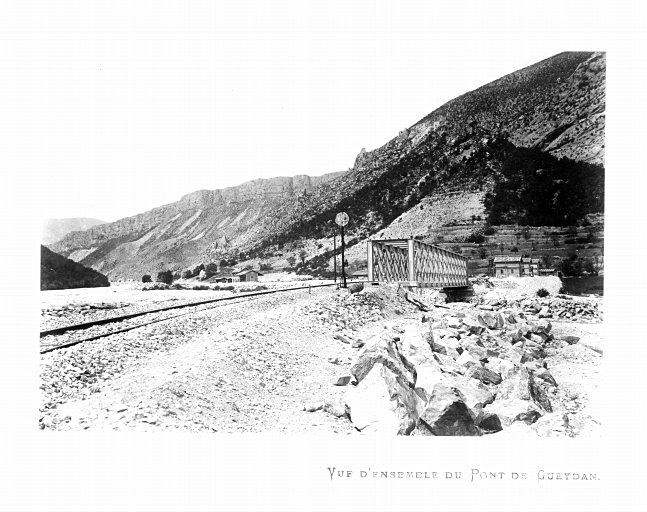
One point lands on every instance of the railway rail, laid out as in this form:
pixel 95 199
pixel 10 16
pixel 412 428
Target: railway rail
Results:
pixel 160 317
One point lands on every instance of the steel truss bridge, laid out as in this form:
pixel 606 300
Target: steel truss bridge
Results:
pixel 414 263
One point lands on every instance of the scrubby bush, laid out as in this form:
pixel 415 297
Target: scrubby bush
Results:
pixel 489 230
pixel 542 292
pixel 187 274
pixel 146 278
pixel 475 237
pixel 200 287
pixel 253 289
pixel 211 269
pixel 165 277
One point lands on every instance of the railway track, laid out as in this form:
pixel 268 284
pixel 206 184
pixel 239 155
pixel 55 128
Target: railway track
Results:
pixel 55 339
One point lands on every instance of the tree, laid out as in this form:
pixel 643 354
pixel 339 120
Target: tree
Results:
pixel 146 278
pixel 291 260
pixel 165 277
pixel 536 189
pixel 475 237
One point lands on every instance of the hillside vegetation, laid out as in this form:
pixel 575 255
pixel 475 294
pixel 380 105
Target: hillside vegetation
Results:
pixel 58 272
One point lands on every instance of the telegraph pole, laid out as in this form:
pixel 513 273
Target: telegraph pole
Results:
pixel 334 254
pixel 341 220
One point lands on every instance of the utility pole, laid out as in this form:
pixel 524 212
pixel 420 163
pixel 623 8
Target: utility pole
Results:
pixel 343 271
pixel 334 254
pixel 341 220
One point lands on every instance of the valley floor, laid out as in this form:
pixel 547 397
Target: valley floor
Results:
pixel 270 365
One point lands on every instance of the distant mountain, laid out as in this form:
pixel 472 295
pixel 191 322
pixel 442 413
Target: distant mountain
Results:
pixel 433 173
pixel 179 234
pixel 54 230
pixel 58 272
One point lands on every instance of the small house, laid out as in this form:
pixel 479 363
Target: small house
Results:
pixel 506 266
pixel 248 275
pixel 226 275
pixel 530 266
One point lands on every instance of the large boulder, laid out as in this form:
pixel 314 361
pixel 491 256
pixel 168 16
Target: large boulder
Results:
pixel 513 410
pixel 415 344
pixel 383 403
pixel 491 320
pixel 428 376
pixel 473 326
pixel 474 394
pixel 383 350
pixel 483 374
pixel 501 366
pixel 446 414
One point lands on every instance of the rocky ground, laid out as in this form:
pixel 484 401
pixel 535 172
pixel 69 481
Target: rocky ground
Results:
pixel 334 362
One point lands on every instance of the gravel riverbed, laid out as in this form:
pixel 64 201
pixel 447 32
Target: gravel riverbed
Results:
pixel 278 363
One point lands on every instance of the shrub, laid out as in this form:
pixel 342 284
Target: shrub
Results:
pixel 146 278
pixel 542 292
pixel 165 277
pixel 476 237
pixel 200 287
pixel 211 269
pixel 187 274
pixel 489 230
pixel 253 289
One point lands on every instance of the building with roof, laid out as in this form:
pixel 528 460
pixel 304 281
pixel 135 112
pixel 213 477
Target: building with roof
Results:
pixel 506 266
pixel 248 275
pixel 530 266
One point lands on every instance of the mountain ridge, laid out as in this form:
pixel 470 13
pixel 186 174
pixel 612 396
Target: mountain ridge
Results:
pixel 556 105
pixel 53 230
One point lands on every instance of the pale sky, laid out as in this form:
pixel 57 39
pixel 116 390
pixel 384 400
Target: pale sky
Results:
pixel 134 104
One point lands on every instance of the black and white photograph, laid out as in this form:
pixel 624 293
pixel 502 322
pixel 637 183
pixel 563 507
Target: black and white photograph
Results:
pixel 297 246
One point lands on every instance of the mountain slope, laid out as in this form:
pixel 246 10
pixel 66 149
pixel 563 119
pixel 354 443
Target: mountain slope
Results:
pixel 178 234
pixel 54 230
pixel 58 272
pixel 556 105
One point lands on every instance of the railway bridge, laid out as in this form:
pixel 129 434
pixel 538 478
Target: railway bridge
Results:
pixel 413 263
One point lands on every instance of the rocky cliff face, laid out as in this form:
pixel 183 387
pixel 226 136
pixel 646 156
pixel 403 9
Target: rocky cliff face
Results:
pixel 556 105
pixel 178 235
